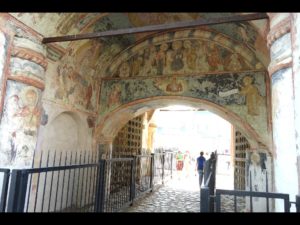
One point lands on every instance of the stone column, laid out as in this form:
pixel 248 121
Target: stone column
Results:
pixel 105 152
pixel 3 54
pixel 295 36
pixel 280 70
pixel 151 134
pixel 25 83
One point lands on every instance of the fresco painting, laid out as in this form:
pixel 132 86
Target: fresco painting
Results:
pixel 19 124
pixel 3 48
pixel 22 67
pixel 181 56
pixel 74 82
pixel 244 89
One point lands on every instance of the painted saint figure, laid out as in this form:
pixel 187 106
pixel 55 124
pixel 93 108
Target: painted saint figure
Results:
pixel 189 55
pixel 174 86
pixel 253 98
pixel 161 58
pixel 29 113
pixel 177 56
pixel 114 97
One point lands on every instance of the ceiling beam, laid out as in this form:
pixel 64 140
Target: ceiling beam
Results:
pixel 170 26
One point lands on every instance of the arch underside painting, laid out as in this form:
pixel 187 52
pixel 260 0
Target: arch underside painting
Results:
pixel 197 65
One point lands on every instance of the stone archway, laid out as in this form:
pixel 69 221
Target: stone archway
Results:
pixel 116 119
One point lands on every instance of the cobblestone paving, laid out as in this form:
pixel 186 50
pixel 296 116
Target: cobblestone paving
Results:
pixel 175 196
pixel 183 195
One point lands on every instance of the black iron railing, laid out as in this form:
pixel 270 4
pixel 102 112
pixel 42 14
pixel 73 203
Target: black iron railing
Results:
pixel 4 178
pixel 214 200
pixel 81 182
pixel 207 193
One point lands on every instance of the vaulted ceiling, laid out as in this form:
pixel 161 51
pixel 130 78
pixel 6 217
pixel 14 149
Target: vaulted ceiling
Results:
pixel 252 33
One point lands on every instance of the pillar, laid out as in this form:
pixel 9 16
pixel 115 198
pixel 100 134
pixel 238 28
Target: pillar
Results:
pixel 282 85
pixel 21 98
pixel 105 152
pixel 151 134
pixel 295 36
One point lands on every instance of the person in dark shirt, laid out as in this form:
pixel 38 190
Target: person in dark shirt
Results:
pixel 200 167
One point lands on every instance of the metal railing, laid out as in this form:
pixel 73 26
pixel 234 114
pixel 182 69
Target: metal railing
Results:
pixel 4 178
pixel 53 189
pixel 207 193
pixel 211 199
pixel 81 183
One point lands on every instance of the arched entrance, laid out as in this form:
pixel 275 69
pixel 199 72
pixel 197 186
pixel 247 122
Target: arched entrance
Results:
pixel 113 122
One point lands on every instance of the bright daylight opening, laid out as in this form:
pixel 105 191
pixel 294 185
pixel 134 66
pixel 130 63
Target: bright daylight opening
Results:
pixel 191 130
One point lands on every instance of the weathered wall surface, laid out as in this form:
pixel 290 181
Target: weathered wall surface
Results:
pixel 21 94
pixel 241 93
pixel 259 177
pixel 3 52
pixel 295 35
pixel 64 130
pixel 283 106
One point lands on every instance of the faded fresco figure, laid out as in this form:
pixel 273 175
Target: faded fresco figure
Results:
pixel 174 86
pixel 214 59
pixel 189 56
pixel 177 56
pixel 149 61
pixel 114 97
pixel 160 59
pixel 124 70
pixel 22 118
pixel 137 63
pixel 253 98
pixel 29 113
pixel 234 63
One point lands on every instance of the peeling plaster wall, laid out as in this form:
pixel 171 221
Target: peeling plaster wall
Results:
pixel 284 133
pixel 64 130
pixel 3 52
pixel 296 72
pixel 259 168
pixel 18 130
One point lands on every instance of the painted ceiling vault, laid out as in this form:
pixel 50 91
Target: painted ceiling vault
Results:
pixel 91 75
pixel 57 24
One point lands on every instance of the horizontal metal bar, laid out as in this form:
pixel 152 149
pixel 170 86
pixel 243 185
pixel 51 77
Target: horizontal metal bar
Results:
pixel 56 168
pixel 252 194
pixel 119 159
pixel 160 27
pixel 4 170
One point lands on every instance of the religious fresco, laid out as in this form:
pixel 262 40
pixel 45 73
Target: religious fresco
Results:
pixel 181 56
pixel 19 124
pixel 74 81
pixel 3 49
pixel 22 67
pixel 245 90
pixel 73 23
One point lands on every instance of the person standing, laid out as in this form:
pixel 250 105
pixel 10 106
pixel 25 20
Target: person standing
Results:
pixel 200 167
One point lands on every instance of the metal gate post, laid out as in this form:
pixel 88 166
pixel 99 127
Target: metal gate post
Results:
pixel 204 199
pixel 297 203
pixel 101 190
pixel 172 165
pixel 163 167
pixel 132 180
pixel 151 171
pixel 17 191
pixel 4 189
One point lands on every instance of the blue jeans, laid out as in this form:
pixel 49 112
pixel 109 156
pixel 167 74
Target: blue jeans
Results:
pixel 201 173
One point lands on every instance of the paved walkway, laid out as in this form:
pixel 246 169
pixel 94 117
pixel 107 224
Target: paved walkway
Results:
pixel 182 194
pixel 178 195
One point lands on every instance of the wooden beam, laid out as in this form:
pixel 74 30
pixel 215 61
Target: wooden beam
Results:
pixel 171 26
